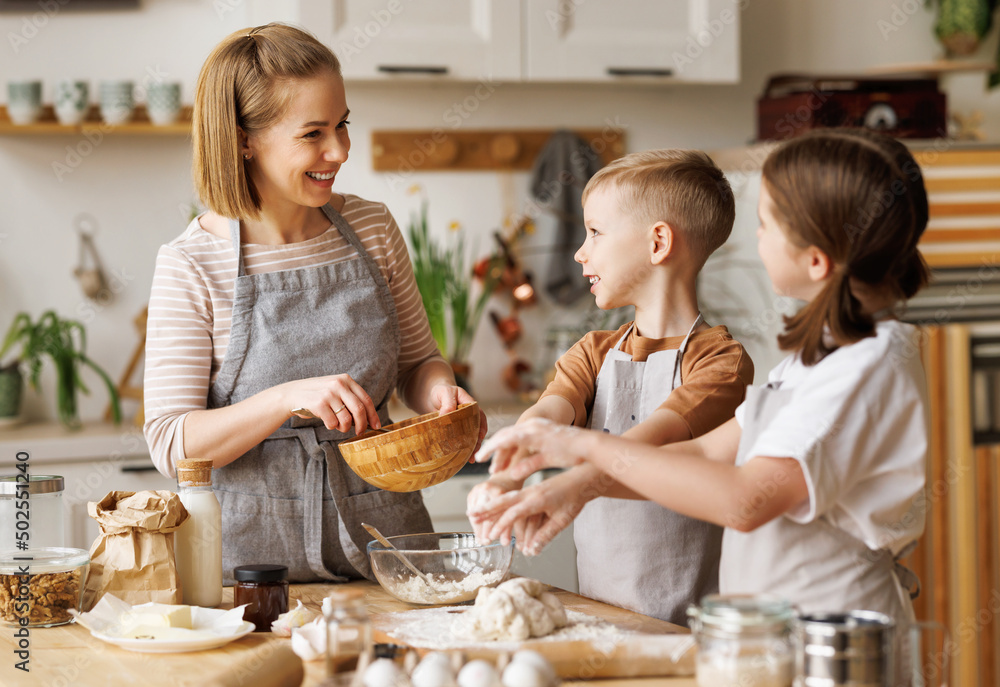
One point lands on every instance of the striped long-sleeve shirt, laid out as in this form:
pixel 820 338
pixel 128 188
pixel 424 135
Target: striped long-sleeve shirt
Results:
pixel 191 302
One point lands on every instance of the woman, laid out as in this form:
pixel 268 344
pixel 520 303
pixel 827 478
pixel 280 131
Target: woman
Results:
pixel 276 335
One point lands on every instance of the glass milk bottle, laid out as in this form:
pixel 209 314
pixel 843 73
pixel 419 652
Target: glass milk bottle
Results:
pixel 198 541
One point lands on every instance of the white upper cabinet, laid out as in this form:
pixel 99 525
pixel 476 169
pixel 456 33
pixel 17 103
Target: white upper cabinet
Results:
pixel 693 41
pixel 464 40
pixel 673 41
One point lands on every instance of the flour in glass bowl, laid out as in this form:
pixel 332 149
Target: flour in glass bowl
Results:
pixel 446 590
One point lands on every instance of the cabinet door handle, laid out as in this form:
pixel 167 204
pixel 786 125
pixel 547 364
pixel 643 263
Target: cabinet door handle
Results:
pixel 639 71
pixel 138 468
pixel 410 69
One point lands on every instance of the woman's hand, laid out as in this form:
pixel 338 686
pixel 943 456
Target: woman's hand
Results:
pixel 447 397
pixel 337 400
pixel 535 515
pixel 534 445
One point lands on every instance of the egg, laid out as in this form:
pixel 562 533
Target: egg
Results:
pixel 533 658
pixel 478 673
pixel 384 672
pixel 524 674
pixel 433 672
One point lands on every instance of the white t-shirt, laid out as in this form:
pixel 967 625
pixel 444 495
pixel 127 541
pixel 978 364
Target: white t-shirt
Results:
pixel 857 422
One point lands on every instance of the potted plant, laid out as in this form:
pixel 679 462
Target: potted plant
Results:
pixel 445 285
pixel 64 343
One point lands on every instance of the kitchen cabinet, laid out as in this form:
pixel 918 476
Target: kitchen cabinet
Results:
pixel 669 41
pixel 465 40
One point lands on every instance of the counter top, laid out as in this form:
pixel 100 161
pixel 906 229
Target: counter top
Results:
pixel 68 655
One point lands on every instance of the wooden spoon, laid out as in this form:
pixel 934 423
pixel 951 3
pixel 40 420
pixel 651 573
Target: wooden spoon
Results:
pixel 398 554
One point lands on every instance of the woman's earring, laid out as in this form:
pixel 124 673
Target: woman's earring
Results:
pixel 246 156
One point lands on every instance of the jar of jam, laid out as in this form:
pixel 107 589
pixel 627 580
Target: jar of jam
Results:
pixel 265 591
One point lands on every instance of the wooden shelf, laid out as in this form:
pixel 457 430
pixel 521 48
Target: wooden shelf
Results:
pixel 47 124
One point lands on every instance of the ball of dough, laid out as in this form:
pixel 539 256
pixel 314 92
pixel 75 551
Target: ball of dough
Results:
pixel 533 658
pixel 523 674
pixel 384 672
pixel 515 610
pixel 478 673
pixel 433 671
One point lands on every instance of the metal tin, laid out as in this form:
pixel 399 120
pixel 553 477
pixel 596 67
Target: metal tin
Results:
pixel 854 648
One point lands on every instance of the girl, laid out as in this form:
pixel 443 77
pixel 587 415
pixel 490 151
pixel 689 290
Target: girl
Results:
pixel 282 319
pixel 817 477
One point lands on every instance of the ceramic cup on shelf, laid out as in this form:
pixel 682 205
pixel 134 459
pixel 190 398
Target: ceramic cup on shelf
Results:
pixel 163 102
pixel 24 101
pixel 117 101
pixel 71 101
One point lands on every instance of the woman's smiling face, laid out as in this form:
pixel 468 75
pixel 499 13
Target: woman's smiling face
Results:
pixel 296 160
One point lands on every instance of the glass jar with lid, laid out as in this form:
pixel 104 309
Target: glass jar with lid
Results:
pixel 743 640
pixel 40 502
pixel 349 643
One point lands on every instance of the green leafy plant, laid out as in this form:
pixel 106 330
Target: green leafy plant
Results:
pixel 64 343
pixel 961 25
pixel 445 285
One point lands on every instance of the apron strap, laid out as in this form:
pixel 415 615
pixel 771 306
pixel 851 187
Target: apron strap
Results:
pixel 234 236
pixel 907 578
pixel 683 347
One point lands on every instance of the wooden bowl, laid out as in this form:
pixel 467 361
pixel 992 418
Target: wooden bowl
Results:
pixel 416 453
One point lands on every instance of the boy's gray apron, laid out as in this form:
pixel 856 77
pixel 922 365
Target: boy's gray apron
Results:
pixel 637 554
pixel 291 499
pixel 817 566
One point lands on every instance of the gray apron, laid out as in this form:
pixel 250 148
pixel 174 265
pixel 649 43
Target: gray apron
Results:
pixel 817 566
pixel 631 553
pixel 291 499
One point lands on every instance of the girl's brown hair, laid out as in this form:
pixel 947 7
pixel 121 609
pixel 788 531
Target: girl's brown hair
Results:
pixel 859 197
pixel 241 86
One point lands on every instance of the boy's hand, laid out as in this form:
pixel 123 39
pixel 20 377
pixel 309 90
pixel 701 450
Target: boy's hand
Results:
pixel 479 498
pixel 535 444
pixel 534 515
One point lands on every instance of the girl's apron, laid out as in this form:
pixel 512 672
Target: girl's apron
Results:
pixel 817 566
pixel 291 499
pixel 631 553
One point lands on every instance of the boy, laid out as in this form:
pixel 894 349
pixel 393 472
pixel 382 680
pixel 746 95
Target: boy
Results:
pixel 652 220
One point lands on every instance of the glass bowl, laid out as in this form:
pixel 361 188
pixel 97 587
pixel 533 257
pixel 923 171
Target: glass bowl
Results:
pixel 38 587
pixel 454 562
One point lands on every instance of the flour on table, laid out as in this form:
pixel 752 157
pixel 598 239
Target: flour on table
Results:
pixel 435 628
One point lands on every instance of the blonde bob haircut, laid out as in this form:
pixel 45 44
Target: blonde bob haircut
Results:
pixel 683 188
pixel 241 86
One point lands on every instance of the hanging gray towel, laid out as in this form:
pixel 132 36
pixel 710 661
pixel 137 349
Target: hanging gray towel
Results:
pixel 561 170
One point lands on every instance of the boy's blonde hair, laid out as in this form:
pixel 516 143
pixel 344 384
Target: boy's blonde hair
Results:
pixel 242 86
pixel 683 188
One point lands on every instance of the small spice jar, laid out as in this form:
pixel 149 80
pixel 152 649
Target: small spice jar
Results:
pixel 743 640
pixel 264 588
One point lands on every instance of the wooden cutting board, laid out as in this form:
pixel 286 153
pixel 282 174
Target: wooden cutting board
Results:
pixel 643 648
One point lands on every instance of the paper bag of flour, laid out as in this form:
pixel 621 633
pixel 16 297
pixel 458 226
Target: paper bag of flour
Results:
pixel 133 557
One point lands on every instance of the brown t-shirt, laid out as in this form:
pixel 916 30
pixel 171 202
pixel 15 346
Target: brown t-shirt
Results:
pixel 715 373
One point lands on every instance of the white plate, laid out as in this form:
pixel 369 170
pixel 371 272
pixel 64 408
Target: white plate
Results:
pixel 171 646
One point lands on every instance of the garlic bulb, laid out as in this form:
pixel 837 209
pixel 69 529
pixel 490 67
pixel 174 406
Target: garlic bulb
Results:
pixel 297 617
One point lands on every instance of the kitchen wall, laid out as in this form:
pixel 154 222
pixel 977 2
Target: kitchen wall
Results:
pixel 138 189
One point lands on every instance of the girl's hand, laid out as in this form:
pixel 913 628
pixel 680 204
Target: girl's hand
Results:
pixel 447 397
pixel 542 443
pixel 337 400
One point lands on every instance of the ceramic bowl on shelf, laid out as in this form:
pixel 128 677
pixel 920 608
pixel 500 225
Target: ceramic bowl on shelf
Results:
pixel 454 563
pixel 51 588
pixel 416 453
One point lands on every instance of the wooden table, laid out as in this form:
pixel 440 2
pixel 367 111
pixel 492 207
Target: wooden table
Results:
pixel 67 656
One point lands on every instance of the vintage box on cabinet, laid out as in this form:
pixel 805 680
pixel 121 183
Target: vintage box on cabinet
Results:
pixel 906 108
